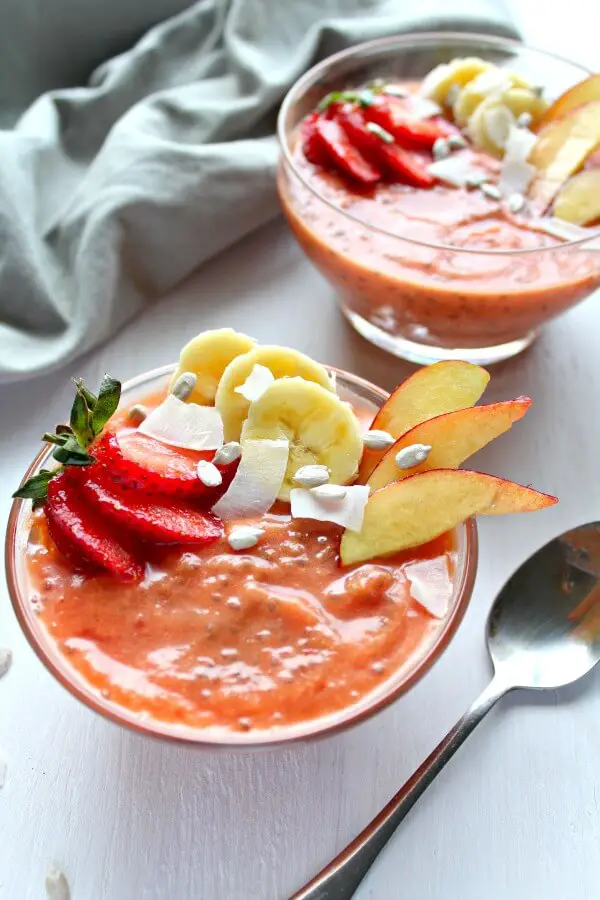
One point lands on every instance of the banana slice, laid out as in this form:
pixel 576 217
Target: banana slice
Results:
pixel 281 361
pixel 458 72
pixel 488 126
pixel 207 355
pixel 495 82
pixel 321 429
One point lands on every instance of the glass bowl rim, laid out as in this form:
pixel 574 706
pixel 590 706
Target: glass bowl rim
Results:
pixel 307 730
pixel 396 41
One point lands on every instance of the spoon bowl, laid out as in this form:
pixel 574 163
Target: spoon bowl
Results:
pixel 543 630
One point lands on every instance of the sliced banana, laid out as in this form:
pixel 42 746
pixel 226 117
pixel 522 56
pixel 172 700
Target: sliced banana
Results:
pixel 281 361
pixel 321 429
pixel 458 72
pixel 207 355
pixel 495 82
pixel 488 126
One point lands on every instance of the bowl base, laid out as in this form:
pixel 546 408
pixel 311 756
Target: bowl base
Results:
pixel 424 354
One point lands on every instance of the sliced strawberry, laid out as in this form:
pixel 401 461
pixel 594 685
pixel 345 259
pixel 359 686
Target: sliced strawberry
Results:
pixel 410 132
pixel 335 143
pixel 158 522
pixel 395 160
pixel 311 146
pixel 131 459
pixel 79 533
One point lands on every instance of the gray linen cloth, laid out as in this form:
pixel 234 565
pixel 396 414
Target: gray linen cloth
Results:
pixel 112 192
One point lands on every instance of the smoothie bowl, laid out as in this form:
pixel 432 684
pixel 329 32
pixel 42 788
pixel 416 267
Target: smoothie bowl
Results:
pixel 442 183
pixel 251 548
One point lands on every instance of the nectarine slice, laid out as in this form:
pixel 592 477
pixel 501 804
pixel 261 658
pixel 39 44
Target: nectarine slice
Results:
pixel 578 201
pixel 433 390
pixel 416 510
pixel 561 150
pixel 453 438
pixel 583 92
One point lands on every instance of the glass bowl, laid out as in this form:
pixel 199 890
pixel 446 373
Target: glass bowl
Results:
pixel 350 388
pixel 420 301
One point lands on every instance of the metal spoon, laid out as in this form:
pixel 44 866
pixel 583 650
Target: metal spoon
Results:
pixel 542 632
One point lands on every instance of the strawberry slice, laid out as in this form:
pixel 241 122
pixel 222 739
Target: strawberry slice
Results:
pixel 409 131
pixel 135 460
pixel 311 146
pixel 396 161
pixel 158 522
pixel 334 142
pixel 80 534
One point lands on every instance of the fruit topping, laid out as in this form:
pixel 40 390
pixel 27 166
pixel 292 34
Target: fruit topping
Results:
pixel 186 425
pixel 161 522
pixel 418 509
pixel 80 534
pixel 207 355
pixel 258 480
pixel 335 144
pixel 321 429
pixel 578 201
pixel 345 506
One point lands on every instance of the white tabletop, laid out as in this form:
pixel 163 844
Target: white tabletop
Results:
pixel 516 814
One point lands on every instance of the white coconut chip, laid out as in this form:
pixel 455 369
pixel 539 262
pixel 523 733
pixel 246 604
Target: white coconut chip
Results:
pixel 434 601
pixel 517 174
pixel 422 108
pixel 256 383
pixel 57 886
pixel 257 482
pixel 186 425
pixel 456 170
pixel 5 660
pixel 348 511
pixel 519 143
pixel 498 121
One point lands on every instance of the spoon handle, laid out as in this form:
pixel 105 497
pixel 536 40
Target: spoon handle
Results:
pixel 340 879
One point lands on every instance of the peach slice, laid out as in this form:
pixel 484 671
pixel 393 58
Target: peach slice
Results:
pixel 578 201
pixel 433 390
pixel 593 161
pixel 583 92
pixel 453 437
pixel 412 512
pixel 561 150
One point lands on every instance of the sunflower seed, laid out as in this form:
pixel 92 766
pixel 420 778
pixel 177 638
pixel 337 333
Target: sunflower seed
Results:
pixel 377 440
pixel 380 132
pixel 137 414
pixel 412 455
pixel 57 886
pixel 329 492
pixel 456 141
pixel 184 385
pixel 441 148
pixel 515 203
pixel 208 474
pixel 524 120
pixel 312 476
pixel 491 190
pixel 476 181
pixel 5 660
pixel 228 453
pixel 244 536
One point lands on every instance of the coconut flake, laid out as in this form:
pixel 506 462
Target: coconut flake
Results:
pixel 256 383
pixel 498 121
pixel 57 886
pixel 186 425
pixel 422 108
pixel 5 660
pixel 515 177
pixel 427 594
pixel 348 511
pixel 519 143
pixel 257 482
pixel 456 170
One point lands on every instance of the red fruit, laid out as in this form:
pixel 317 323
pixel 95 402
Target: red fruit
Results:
pixel 158 522
pixel 311 146
pixel 399 163
pixel 81 534
pixel 335 143
pixel 137 461
pixel 410 132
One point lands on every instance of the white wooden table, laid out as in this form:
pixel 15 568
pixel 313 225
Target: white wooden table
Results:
pixel 516 814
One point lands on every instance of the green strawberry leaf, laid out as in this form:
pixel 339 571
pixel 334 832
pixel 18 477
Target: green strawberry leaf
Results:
pixel 87 395
pixel 80 421
pixel 72 453
pixel 58 439
pixel 108 401
pixel 35 488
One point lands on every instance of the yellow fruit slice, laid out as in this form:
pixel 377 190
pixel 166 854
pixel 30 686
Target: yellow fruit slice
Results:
pixel 578 201
pixel 321 429
pixel 282 362
pixel 207 356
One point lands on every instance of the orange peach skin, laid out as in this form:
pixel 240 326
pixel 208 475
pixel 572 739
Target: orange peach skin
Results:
pixel 432 391
pixel 453 438
pixel 583 92
pixel 418 509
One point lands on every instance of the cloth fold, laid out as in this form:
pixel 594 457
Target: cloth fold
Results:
pixel 111 194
